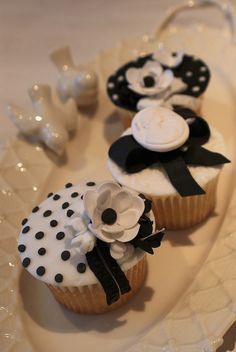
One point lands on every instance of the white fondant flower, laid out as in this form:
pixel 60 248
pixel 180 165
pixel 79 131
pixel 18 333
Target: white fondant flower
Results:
pixel 114 212
pixel 84 240
pixel 168 58
pixel 121 251
pixel 150 79
pixel 177 86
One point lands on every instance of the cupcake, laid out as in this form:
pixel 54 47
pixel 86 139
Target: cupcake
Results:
pixel 87 243
pixel 174 159
pixel 158 79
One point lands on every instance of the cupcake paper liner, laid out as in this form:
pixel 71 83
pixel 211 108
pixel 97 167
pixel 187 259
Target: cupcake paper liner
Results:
pixel 91 299
pixel 175 212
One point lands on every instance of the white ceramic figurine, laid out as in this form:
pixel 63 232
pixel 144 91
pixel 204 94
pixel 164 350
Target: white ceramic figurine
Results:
pixel 50 122
pixel 76 82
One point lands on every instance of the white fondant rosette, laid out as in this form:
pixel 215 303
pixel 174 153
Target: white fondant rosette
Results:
pixel 149 80
pixel 114 215
pixel 114 212
pixel 167 58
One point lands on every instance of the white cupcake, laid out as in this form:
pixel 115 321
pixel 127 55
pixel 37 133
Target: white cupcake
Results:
pixel 87 243
pixel 174 161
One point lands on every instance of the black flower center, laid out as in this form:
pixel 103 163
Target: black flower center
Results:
pixel 149 81
pixel 109 216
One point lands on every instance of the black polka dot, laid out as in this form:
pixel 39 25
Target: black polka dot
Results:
pixel 24 221
pixel 40 271
pixel 50 194
pixel 39 235
pixel 26 262
pixel 47 213
pixel 68 185
pixel 82 197
pixel 69 213
pixel 58 278
pixel 81 268
pixel 56 197
pixel 35 209
pixel 21 248
pixel 65 255
pixel 109 216
pixel 74 194
pixel 53 223
pixel 90 184
pixel 60 235
pixel 41 251
pixel 65 205
pixel 26 229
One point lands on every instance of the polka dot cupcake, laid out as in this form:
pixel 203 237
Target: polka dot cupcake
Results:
pixel 162 78
pixel 87 243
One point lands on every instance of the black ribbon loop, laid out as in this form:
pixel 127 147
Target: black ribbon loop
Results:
pixel 131 157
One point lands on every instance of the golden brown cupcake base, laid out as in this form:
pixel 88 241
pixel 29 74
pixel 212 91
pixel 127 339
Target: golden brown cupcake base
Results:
pixel 176 212
pixel 92 300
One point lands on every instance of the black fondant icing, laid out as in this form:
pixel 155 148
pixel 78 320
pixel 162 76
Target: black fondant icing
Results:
pixel 128 99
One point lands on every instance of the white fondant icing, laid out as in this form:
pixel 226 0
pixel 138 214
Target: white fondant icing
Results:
pixel 196 89
pixel 162 79
pixel 159 129
pixel 115 97
pixel 127 208
pixel 121 251
pixel 166 57
pixel 189 74
pixel 154 181
pixel 84 240
pixel 111 85
pixel 202 79
pixel 187 101
pixel 52 259
pixel 164 99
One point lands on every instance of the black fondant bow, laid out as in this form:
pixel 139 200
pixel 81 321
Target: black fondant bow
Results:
pixel 128 154
pixel 107 270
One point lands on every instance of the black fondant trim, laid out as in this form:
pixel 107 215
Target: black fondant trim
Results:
pixel 179 175
pixel 131 157
pixel 114 268
pixel 99 269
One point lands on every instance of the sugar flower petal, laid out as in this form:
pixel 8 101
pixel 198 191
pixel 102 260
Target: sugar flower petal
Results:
pixel 129 234
pixel 90 202
pixel 122 201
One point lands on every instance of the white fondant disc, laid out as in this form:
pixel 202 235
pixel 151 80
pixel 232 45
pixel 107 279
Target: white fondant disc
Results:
pixel 159 129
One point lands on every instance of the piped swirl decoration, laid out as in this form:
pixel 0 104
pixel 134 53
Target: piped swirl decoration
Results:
pixel 159 79
pixel 114 223
pixel 163 136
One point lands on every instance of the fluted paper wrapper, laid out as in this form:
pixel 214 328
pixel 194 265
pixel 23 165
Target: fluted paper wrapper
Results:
pixel 176 212
pixel 91 299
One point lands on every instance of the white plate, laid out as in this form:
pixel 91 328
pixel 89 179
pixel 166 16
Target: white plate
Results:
pixel 189 299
